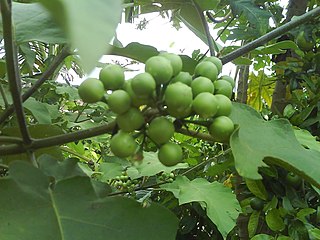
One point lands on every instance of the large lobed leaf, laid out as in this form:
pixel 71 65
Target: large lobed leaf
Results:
pixel 220 203
pixel 257 142
pixel 72 209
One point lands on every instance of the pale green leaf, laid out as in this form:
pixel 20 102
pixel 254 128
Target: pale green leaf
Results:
pixel 89 25
pixel 306 139
pixel 257 142
pixel 33 22
pixel 220 203
pixel 151 166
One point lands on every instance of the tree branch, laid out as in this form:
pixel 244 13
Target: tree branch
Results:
pixel 49 71
pixel 13 69
pixel 271 35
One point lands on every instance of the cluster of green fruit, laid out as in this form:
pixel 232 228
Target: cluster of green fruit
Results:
pixel 167 177
pixel 123 182
pixel 172 93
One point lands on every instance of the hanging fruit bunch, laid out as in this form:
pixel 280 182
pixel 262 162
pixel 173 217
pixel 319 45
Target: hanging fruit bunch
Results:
pixel 150 103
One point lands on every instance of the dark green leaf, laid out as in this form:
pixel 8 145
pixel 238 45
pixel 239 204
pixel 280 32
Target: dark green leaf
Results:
pixel 30 210
pixel 39 110
pixel 253 223
pixel 274 220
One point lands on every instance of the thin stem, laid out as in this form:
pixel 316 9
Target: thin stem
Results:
pixel 6 104
pixel 5 139
pixel 13 69
pixel 271 35
pixel 195 134
pixel 206 28
pixel 80 112
pixel 206 162
pixel 68 150
pixel 50 70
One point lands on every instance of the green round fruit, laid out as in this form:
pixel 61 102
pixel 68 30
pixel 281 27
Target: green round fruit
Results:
pixel 207 69
pixel 160 68
pixel 205 104
pixel 221 128
pixel 201 84
pixel 112 77
pixel 143 84
pixel 183 77
pixel 228 79
pixel 216 61
pixel 160 130
pixel 175 60
pixel 303 43
pixel 91 90
pixel 181 112
pixel 170 154
pixel 293 180
pixel 123 145
pixel 130 120
pixel 256 204
pixel 224 105
pixel 178 95
pixel 223 87
pixel 119 101
pixel 136 100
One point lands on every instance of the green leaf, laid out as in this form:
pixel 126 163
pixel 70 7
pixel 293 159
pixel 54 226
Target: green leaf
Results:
pixel 303 213
pixel 87 23
pixel 60 170
pixel 142 53
pixel 306 139
pixel 190 17
pixel 110 170
pixel 262 237
pixel 219 168
pixel 256 16
pixel 315 232
pixel 297 230
pixel 257 188
pixel 34 16
pixel 274 220
pixel 273 141
pixel 242 61
pixel 151 166
pixel 208 4
pixel 31 210
pixel 277 48
pixel 220 203
pixel 253 223
pixel 39 110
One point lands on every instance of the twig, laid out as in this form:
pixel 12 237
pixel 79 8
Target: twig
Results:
pixel 206 162
pixel 206 28
pixel 13 69
pixel 68 150
pixel 7 139
pixel 195 134
pixel 271 35
pixel 58 140
pixel 50 70
pixel 6 104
